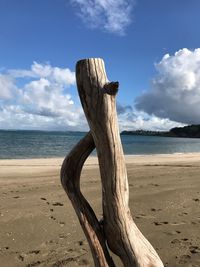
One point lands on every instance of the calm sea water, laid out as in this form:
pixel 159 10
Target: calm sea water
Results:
pixel 38 144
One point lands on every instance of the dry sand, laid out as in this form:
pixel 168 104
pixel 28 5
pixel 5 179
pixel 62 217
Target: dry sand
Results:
pixel 38 226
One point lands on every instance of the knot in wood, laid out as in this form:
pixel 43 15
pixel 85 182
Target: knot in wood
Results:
pixel 111 88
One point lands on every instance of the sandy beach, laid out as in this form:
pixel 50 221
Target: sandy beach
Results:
pixel 38 226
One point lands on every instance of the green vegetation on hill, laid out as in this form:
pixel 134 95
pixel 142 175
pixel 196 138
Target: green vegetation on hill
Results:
pixel 191 131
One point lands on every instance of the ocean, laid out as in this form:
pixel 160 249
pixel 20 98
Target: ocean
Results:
pixel 44 144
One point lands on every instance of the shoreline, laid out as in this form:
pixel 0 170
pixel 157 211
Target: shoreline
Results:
pixel 93 159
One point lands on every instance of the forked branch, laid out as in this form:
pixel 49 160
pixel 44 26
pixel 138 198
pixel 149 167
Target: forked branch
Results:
pixel 70 179
pixel 98 98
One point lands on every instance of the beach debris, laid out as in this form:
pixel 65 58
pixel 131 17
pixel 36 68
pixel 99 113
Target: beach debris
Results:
pixel 120 233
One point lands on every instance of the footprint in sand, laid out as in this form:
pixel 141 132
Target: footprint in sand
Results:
pixel 33 264
pixel 34 252
pixel 184 259
pixel 177 223
pixel 57 204
pixel 21 258
pixel 194 249
pixel 53 218
pixel 62 236
pixel 144 216
pixel 184 239
pixel 182 214
pixel 154 184
pixel 83 262
pixel 172 233
pixel 43 198
pixel 63 262
pixel 153 209
pixel 160 223
pixel 175 241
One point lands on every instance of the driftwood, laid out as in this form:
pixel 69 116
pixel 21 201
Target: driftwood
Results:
pixel 117 230
pixel 70 179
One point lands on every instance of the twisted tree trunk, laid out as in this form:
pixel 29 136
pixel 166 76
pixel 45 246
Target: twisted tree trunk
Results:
pixel 98 98
pixel 70 179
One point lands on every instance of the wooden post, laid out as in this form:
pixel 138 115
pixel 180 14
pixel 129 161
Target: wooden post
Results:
pixel 98 98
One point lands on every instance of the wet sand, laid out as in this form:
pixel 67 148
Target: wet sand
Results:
pixel 38 226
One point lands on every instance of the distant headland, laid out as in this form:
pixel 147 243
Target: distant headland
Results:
pixel 190 131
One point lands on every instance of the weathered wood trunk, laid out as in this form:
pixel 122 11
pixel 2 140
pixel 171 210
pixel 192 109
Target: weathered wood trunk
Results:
pixel 98 98
pixel 70 179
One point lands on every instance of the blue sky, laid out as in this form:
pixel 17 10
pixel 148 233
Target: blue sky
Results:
pixel 150 47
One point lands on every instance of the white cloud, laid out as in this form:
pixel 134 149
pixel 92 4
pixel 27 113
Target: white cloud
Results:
pixel 7 87
pixel 39 98
pixel 175 91
pixel 55 74
pixel 108 15
pixel 14 117
pixel 43 102
pixel 45 98
pixel 130 119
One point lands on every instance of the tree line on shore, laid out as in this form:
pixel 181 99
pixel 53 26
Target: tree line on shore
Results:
pixel 190 131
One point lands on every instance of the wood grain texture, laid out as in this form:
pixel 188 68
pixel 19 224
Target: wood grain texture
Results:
pixel 98 98
pixel 70 179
